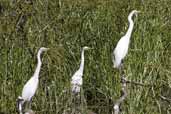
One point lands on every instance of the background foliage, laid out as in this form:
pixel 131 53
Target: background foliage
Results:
pixel 65 26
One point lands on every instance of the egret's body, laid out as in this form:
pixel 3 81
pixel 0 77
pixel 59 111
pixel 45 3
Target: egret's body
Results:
pixel 122 46
pixel 30 87
pixel 77 80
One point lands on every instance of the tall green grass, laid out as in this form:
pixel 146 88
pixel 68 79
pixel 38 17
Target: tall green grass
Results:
pixel 66 26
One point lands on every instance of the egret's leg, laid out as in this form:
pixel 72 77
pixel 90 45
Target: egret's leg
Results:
pixel 29 106
pixel 121 68
pixel 74 100
pixel 83 101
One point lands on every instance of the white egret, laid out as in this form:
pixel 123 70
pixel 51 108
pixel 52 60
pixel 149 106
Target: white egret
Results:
pixel 122 46
pixel 77 80
pixel 31 86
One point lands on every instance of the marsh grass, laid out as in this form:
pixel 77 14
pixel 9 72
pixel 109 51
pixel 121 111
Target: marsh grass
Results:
pixel 65 26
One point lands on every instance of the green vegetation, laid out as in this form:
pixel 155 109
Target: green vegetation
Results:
pixel 67 25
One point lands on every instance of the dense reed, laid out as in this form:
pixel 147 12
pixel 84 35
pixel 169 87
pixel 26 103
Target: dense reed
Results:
pixel 65 26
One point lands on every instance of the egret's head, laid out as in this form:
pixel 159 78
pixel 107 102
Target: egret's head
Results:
pixel 135 12
pixel 86 48
pixel 43 49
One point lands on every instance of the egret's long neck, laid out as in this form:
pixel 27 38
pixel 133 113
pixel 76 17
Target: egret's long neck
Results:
pixel 37 71
pixel 82 61
pixel 131 25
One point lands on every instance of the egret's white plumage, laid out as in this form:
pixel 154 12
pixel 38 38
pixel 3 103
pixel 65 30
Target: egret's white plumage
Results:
pixel 30 87
pixel 77 80
pixel 122 46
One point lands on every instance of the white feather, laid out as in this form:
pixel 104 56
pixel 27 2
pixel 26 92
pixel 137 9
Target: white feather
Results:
pixel 76 80
pixel 121 49
pixel 30 87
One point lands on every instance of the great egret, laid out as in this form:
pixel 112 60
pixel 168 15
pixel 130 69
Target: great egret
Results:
pixel 31 86
pixel 77 80
pixel 122 46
